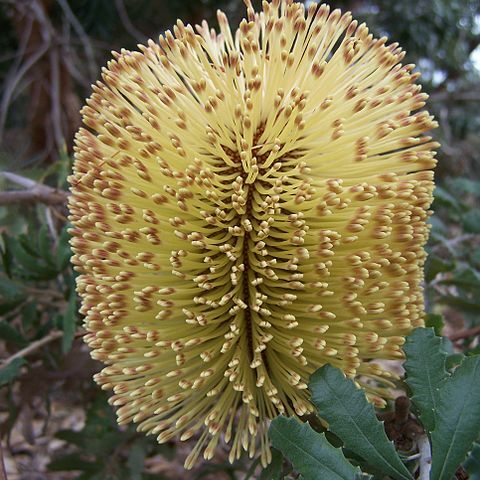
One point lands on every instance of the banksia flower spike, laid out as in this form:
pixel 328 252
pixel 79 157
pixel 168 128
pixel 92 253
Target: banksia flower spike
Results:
pixel 246 208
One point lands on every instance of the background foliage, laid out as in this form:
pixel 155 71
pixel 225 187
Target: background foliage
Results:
pixel 54 422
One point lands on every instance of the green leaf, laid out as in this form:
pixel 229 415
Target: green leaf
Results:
pixel 29 314
pixel 274 469
pixel 11 294
pixel 434 321
pixel 11 371
pixel 64 251
pixel 45 246
pixel 435 265
pixel 30 265
pixel 136 460
pixel 472 464
pixel 72 462
pixel 467 278
pixel 309 452
pixel 353 419
pixel 457 421
pixel 471 221
pixel 10 334
pixel 425 368
pixel 465 185
pixel 69 320
pixel 442 197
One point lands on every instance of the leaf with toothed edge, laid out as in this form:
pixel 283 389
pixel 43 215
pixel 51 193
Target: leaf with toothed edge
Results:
pixel 309 451
pixel 353 419
pixel 457 419
pixel 425 368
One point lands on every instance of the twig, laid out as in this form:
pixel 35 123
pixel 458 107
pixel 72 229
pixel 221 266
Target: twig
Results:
pixel 82 35
pixel 51 226
pixel 55 93
pixel 3 472
pixel 462 334
pixel 35 192
pixel 425 457
pixel 19 71
pixel 34 346
pixel 127 23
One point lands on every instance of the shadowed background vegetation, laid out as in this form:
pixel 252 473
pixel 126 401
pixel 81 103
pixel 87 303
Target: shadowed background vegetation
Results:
pixel 54 421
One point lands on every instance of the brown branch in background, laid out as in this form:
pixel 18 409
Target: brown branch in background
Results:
pixel 3 472
pixel 35 192
pixel 82 35
pixel 463 334
pixel 42 66
pixel 34 346
pixel 127 23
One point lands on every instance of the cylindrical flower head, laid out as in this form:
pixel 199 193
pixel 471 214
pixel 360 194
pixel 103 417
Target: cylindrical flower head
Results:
pixel 248 207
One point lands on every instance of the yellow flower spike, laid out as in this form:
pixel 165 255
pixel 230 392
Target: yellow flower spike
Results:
pixel 248 207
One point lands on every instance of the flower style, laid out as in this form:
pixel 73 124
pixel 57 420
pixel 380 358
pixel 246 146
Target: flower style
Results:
pixel 246 208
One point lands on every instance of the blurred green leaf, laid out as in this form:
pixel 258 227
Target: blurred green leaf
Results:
pixel 425 368
pixel 29 314
pixel 11 371
pixel 69 322
pixel 444 198
pixel 465 185
pixel 435 265
pixel 457 419
pixel 74 462
pixel 27 263
pixel 64 251
pixel 353 419
pixel 45 246
pixel 136 459
pixel 10 334
pixel 471 221
pixel 466 278
pixel 11 294
pixel 309 451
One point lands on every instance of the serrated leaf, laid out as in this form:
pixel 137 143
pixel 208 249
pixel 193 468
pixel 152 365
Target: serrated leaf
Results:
pixel 30 266
pixel 425 368
pixel 309 452
pixel 353 419
pixel 457 421
pixel 11 371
